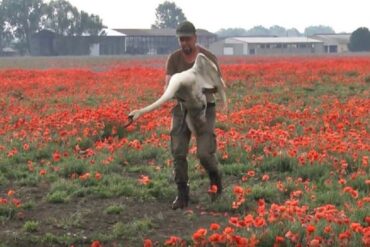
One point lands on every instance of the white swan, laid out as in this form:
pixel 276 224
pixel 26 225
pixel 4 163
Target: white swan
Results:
pixel 189 87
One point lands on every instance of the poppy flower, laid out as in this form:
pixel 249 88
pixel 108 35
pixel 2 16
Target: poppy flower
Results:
pixel 214 227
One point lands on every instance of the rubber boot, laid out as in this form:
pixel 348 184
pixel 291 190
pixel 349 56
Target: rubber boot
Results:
pixel 182 199
pixel 215 179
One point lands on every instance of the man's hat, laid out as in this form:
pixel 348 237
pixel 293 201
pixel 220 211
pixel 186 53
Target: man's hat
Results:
pixel 185 29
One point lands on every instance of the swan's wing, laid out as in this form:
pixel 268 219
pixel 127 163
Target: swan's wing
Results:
pixel 209 76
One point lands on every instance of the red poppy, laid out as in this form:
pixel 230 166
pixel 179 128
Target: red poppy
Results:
pixel 215 238
pixel 199 234
pixel 310 229
pixel 144 180
pixel 96 243
pixel 214 227
pixel 148 243
pixel 213 189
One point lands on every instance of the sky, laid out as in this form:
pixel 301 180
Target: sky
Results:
pixel 212 15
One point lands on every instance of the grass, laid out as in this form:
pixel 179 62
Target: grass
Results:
pixel 266 191
pixel 58 197
pixel 115 209
pixel 314 172
pixel 133 229
pixel 236 169
pixel 7 212
pixel 78 167
pixel 31 226
pixel 367 79
pixel 67 221
pixel 278 164
pixel 52 239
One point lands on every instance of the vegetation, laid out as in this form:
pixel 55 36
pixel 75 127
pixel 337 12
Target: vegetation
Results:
pixel 20 19
pixel 293 150
pixel 275 30
pixel 360 40
pixel 168 15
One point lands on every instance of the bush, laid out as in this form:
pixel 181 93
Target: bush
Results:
pixel 279 164
pixel 31 226
pixel 367 79
pixel 360 40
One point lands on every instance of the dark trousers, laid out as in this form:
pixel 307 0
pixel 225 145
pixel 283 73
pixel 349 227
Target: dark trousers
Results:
pixel 205 140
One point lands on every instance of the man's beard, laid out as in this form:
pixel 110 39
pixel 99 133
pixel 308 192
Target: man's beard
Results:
pixel 187 50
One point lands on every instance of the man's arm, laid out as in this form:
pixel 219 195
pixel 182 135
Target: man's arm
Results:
pixel 170 70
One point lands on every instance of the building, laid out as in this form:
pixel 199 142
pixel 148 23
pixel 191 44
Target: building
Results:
pixel 334 43
pixel 43 43
pixel 47 43
pixel 267 46
pixel 112 42
pixel 8 52
pixel 159 41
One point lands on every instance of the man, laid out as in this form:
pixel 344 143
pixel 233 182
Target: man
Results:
pixel 179 61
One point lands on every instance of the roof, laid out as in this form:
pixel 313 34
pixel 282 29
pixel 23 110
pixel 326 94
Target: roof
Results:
pixel 45 31
pixel 8 49
pixel 110 32
pixel 271 40
pixel 333 38
pixel 158 32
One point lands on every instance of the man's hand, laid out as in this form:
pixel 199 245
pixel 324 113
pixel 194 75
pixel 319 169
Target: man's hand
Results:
pixel 135 114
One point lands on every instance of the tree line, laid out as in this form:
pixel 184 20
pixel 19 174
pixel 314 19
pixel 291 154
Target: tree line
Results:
pixel 168 15
pixel 275 30
pixel 20 19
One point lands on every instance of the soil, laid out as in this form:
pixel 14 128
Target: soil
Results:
pixel 84 218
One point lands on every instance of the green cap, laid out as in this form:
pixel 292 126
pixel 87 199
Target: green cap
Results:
pixel 185 29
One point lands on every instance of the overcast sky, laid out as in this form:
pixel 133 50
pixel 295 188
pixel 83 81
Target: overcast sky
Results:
pixel 342 15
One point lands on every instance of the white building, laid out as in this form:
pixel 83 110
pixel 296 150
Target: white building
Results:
pixel 267 46
pixel 334 43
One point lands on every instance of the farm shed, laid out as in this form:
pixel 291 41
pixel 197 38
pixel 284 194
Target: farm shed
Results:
pixel 159 41
pixel 48 43
pixel 334 43
pixel 112 42
pixel 266 46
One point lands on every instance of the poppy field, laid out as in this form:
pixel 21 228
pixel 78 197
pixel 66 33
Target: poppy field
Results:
pixel 293 149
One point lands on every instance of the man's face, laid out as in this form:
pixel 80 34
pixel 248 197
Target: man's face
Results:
pixel 187 44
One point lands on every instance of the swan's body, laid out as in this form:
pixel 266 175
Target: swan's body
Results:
pixel 188 87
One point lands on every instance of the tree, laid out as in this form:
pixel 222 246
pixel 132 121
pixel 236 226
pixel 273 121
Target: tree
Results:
pixel 24 18
pixel 293 32
pixel 89 24
pixel 2 27
pixel 278 31
pixel 20 19
pixel 312 30
pixel 65 19
pixel 168 15
pixel 258 31
pixel 5 34
pixel 232 32
pixel 360 40
pixel 62 17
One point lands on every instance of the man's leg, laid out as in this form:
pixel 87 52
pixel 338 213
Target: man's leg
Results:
pixel 206 149
pixel 180 138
